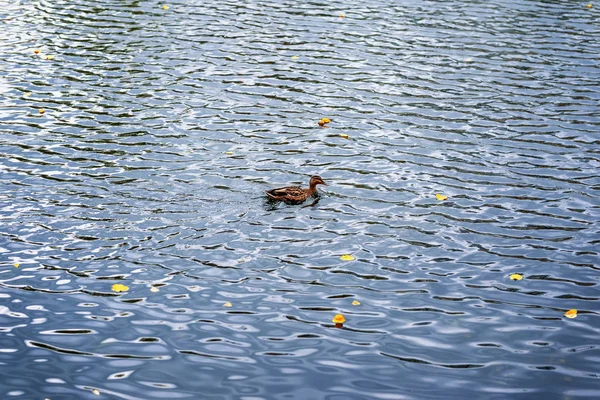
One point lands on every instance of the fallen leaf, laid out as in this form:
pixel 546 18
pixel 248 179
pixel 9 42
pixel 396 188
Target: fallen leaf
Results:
pixel 117 287
pixel 227 304
pixel 342 15
pixel 42 111
pixel 571 313
pixel 468 60
pixel 347 257
pixel 295 57
pixel 356 303
pixel 165 7
pixel 50 57
pixel 516 277
pixel 229 153
pixel 441 197
pixel 344 136
pixel 324 121
pixel 339 319
pixel 589 5
pixel 154 289
pixel 16 265
pixel 96 392
pixel 36 51
pixel 27 94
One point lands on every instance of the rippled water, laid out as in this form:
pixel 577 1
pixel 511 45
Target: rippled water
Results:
pixel 162 128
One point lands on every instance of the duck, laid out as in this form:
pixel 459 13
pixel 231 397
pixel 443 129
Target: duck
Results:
pixel 295 194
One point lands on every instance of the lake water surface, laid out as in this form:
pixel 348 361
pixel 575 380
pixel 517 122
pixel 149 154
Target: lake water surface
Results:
pixel 163 126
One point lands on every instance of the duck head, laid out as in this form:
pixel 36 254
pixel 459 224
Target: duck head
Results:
pixel 316 180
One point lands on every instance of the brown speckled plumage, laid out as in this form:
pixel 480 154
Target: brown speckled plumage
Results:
pixel 295 194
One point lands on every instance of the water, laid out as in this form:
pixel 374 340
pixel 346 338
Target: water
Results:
pixel 162 128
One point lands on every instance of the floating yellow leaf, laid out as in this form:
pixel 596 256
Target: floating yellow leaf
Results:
pixel 468 60
pixel 165 7
pixel 324 121
pixel 36 51
pixel 227 304
pixel 342 15
pixel 295 57
pixel 27 94
pixel 229 153
pixel 42 111
pixel 441 197
pixel 96 392
pixel 589 5
pixel 347 257
pixel 154 289
pixel 16 265
pixel 344 136
pixel 117 287
pixel 356 303
pixel 50 57
pixel 516 277
pixel 571 313
pixel 338 320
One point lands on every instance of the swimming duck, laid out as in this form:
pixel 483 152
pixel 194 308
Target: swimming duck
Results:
pixel 295 194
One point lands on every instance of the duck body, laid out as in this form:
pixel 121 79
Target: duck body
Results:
pixel 296 194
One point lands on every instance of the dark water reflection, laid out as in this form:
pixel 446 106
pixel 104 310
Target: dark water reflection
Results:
pixel 162 128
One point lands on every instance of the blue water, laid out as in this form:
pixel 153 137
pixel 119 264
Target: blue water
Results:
pixel 162 129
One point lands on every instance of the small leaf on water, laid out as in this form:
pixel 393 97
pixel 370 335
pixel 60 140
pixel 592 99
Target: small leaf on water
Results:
pixel 356 303
pixel 589 5
pixel 516 277
pixel 342 15
pixel 165 7
pixel 96 392
pixel 27 94
pixel 441 197
pixel 42 111
pixel 154 289
pixel 16 265
pixel 50 57
pixel 344 136
pixel 117 287
pixel 347 257
pixel 36 51
pixel 571 313
pixel 229 153
pixel 339 319
pixel 295 57
pixel 324 121
pixel 227 304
